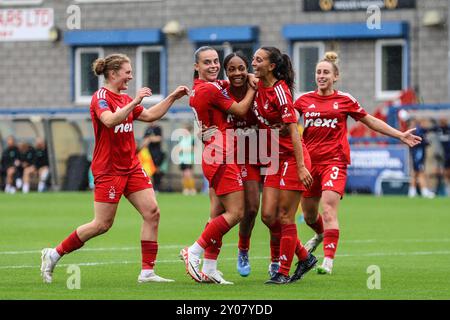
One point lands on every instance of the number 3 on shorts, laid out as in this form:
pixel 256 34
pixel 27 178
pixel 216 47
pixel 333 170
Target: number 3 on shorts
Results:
pixel 335 173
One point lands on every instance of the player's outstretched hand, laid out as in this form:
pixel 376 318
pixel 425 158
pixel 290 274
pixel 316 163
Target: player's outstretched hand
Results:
pixel 410 139
pixel 180 92
pixel 141 94
pixel 305 177
pixel 252 81
pixel 208 132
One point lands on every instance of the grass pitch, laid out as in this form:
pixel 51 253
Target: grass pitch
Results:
pixel 407 239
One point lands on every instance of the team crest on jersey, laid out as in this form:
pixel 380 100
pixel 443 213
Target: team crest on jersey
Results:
pixel 335 106
pixel 239 180
pixel 244 172
pixel 102 104
pixel 112 193
pixel 225 94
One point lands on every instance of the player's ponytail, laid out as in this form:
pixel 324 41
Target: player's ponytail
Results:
pixel 283 66
pixel 98 66
pixel 113 62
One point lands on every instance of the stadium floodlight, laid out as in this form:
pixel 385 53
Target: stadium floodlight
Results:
pixel 173 28
pixel 432 18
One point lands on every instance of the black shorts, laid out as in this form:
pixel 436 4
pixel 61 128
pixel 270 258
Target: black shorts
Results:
pixel 447 163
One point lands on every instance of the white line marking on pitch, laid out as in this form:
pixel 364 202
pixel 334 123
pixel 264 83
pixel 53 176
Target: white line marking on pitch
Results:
pixel 373 254
pixel 179 246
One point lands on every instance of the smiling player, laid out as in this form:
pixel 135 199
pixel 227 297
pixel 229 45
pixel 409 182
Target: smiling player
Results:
pixel 115 166
pixel 325 112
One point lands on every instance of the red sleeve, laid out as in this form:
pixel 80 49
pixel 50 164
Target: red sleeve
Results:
pixel 284 104
pixel 137 111
pixel 298 105
pixel 99 105
pixel 356 111
pixel 219 97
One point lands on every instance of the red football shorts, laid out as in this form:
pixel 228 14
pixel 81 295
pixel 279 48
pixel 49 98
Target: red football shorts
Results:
pixel 223 178
pixel 327 177
pixel 250 172
pixel 287 178
pixel 110 188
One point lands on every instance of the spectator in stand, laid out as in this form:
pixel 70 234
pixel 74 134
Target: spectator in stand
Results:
pixel 186 152
pixel 27 160
pixel 41 163
pixel 153 140
pixel 10 164
pixel 418 157
pixel 443 133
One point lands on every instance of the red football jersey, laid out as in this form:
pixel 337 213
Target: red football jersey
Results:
pixel 245 131
pixel 248 121
pixel 325 125
pixel 115 148
pixel 210 102
pixel 273 105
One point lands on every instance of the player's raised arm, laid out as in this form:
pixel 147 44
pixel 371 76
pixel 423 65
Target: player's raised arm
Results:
pixel 380 126
pixel 159 110
pixel 110 119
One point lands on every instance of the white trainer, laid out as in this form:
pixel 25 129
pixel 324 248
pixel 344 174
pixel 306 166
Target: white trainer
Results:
pixel 326 267
pixel 426 193
pixel 214 277
pixel 152 277
pixel 47 265
pixel 192 263
pixel 314 242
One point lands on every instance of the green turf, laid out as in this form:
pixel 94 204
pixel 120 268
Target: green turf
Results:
pixel 408 239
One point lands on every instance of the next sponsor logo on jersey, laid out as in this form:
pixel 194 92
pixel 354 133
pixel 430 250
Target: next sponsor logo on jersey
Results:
pixel 123 127
pixel 319 122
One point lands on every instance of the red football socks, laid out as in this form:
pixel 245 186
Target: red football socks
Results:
pixel 287 247
pixel 300 251
pixel 71 243
pixel 149 251
pixel 318 225
pixel 244 243
pixel 214 232
pixel 330 242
